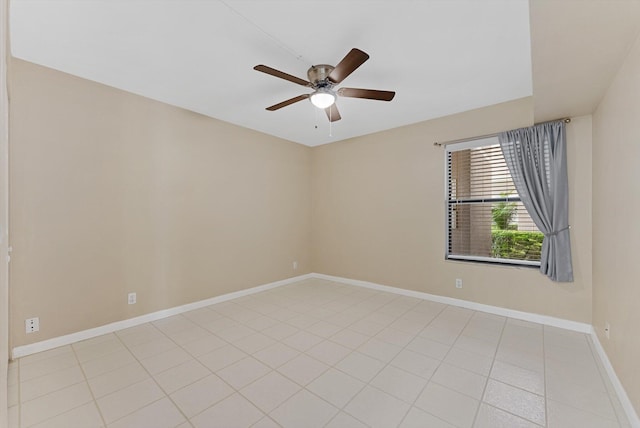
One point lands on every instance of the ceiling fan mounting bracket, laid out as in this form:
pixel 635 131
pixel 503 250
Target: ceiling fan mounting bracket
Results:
pixel 319 76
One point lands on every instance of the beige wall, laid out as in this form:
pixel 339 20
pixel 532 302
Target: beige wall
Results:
pixel 378 215
pixel 4 268
pixel 113 193
pixel 616 231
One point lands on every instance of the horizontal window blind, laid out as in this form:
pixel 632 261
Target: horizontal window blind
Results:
pixel 486 221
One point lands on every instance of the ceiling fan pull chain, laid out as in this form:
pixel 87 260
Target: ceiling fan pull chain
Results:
pixel 315 114
pixel 330 123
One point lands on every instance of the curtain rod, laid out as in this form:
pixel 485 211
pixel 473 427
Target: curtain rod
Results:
pixel 463 140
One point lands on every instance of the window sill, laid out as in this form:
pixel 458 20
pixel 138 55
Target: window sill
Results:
pixel 494 261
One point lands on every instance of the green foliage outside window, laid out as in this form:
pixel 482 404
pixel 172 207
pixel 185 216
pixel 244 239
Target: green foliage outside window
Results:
pixel 515 244
pixel 507 242
pixel 502 214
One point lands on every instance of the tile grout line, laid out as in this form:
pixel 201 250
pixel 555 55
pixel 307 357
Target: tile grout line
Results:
pixel 544 378
pixel 247 356
pixel 373 306
pixel 335 368
pixel 50 392
pixel 365 384
pixel 413 404
pixel 57 390
pixel 605 379
pixel 150 376
pixel 164 334
pixel 211 372
pixel 180 346
pixel 510 385
pixel 386 364
pixel 493 361
pixel 278 341
pixel 517 387
pixel 302 387
pixel 135 383
pixel 488 377
pixel 490 368
pixel 19 393
pixel 86 379
pixel 597 362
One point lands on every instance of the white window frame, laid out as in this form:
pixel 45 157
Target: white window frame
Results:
pixel 464 145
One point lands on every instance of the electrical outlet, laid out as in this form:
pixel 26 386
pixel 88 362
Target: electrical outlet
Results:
pixel 295 265
pixel 132 298
pixel 32 325
pixel 458 282
pixel 607 329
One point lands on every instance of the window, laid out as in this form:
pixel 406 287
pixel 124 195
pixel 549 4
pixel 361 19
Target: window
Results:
pixel 486 221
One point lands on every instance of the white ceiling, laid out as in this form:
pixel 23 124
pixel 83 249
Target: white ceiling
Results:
pixel 441 57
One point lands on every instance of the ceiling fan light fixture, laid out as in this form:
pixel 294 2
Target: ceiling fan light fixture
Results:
pixel 323 98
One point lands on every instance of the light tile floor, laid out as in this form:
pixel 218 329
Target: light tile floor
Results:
pixel 319 354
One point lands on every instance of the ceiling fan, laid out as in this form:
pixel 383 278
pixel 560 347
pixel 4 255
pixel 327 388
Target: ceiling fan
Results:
pixel 323 79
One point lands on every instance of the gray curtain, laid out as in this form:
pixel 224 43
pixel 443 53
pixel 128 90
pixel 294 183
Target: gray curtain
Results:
pixel 537 160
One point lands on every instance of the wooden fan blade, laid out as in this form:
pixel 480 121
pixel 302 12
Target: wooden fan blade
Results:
pixel 281 75
pixel 370 94
pixel 354 59
pixel 332 113
pixel 287 102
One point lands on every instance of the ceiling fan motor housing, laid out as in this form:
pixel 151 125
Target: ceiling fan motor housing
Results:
pixel 318 75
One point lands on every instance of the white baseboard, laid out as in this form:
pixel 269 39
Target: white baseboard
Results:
pixel 496 310
pixel 21 351
pixel 526 316
pixel 634 420
pixel 45 345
